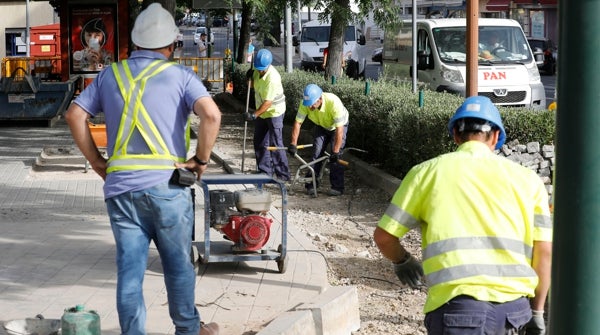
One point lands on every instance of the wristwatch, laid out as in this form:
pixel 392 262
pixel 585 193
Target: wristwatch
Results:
pixel 199 161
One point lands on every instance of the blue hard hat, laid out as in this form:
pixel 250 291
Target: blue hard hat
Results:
pixel 480 108
pixel 263 59
pixel 312 93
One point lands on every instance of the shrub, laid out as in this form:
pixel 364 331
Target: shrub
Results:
pixel 389 123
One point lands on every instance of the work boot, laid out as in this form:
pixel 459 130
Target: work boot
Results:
pixel 334 193
pixel 209 328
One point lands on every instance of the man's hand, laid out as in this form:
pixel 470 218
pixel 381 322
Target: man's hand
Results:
pixel 334 157
pixel 249 74
pixel 292 149
pixel 409 272
pixel 537 324
pixel 249 116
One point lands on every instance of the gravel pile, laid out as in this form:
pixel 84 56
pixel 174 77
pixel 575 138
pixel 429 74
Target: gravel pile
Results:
pixel 342 229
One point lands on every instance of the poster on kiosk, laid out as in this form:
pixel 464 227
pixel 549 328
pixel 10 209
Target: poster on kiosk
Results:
pixel 93 38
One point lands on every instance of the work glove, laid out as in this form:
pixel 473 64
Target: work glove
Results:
pixel 536 325
pixel 334 157
pixel 249 74
pixel 249 116
pixel 292 149
pixel 409 272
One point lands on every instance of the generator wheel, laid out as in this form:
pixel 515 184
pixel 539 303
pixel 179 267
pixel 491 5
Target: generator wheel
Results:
pixel 282 262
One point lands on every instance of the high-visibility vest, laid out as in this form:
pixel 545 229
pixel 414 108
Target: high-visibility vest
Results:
pixel 134 118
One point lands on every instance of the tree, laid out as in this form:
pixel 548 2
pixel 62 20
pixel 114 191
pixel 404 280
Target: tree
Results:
pixel 384 12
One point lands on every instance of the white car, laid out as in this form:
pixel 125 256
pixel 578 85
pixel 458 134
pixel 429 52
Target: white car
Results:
pixel 201 30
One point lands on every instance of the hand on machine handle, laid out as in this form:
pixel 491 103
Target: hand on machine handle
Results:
pixel 334 157
pixel 536 325
pixel 292 149
pixel 409 271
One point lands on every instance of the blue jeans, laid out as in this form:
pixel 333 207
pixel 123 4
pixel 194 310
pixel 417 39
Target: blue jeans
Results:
pixel 162 214
pixel 464 315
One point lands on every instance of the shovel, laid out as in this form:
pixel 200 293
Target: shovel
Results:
pixel 245 121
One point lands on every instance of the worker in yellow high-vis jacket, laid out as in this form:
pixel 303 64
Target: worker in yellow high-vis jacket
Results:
pixel 486 231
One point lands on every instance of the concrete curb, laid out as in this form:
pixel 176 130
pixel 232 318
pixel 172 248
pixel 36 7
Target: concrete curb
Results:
pixel 333 312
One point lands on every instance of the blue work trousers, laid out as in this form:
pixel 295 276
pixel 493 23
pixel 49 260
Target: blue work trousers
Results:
pixel 269 132
pixel 162 214
pixel 464 315
pixel 322 139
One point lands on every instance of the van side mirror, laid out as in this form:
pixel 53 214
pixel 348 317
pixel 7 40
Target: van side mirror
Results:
pixel 424 60
pixel 362 40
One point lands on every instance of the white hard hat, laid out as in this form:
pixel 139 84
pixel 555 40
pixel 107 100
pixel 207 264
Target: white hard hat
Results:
pixel 154 28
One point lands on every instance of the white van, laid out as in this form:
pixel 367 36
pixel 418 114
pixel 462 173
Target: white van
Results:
pixel 314 38
pixel 507 72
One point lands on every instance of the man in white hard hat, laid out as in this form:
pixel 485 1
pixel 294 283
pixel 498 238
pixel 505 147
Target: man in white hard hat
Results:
pixel 147 102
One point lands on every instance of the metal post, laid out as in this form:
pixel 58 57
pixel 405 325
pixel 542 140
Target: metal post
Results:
pixel 421 98
pixel 333 80
pixel 414 43
pixel 575 304
pixel 367 87
pixel 472 48
pixel 288 38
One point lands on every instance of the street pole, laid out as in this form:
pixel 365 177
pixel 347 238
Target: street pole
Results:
pixel 414 43
pixel 472 48
pixel 575 295
pixel 288 38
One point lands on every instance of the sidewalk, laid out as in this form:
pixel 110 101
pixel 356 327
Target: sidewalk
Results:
pixel 57 251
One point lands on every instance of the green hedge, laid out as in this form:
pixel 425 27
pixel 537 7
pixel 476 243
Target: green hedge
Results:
pixel 389 123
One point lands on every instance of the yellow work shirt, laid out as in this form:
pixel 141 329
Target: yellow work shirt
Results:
pixel 479 214
pixel 269 88
pixel 330 115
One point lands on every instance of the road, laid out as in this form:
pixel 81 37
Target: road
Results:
pixel 224 40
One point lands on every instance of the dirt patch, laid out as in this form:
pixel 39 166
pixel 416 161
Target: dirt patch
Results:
pixel 342 229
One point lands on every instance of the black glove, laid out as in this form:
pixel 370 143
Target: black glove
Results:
pixel 249 116
pixel 333 158
pixel 409 272
pixel 249 74
pixel 292 149
pixel 536 325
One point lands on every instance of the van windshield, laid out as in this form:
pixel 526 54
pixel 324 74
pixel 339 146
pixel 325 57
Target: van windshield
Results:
pixel 497 44
pixel 321 34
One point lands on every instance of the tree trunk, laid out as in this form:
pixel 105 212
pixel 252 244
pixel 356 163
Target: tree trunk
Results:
pixel 335 55
pixel 244 32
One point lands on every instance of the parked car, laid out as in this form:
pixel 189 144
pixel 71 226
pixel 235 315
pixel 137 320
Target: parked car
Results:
pixel 545 53
pixel 201 30
pixel 377 55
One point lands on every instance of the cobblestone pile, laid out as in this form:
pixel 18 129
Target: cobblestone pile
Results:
pixel 539 158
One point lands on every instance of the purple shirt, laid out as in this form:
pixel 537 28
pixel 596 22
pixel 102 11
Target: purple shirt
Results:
pixel 168 98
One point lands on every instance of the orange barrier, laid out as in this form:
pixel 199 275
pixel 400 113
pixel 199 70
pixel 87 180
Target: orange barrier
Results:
pixel 98 134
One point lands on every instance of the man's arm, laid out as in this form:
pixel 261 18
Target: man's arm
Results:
pixel 295 133
pixel 77 118
pixel 339 137
pixel 389 245
pixel 541 263
pixel 208 129
pixel 263 107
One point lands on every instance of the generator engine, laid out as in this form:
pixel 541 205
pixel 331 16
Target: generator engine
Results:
pixel 241 217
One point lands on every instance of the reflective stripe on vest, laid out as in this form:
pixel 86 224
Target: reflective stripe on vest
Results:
pixel 481 244
pixel 134 118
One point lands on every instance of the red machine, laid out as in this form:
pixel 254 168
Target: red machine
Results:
pixel 248 227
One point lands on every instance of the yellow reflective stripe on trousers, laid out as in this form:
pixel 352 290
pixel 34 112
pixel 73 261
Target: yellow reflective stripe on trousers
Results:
pixel 135 117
